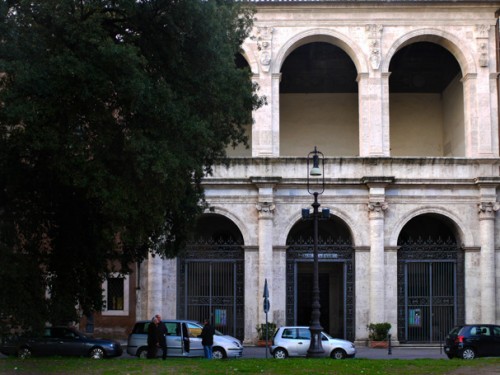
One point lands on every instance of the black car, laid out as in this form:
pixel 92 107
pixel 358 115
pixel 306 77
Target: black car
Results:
pixel 473 340
pixel 64 341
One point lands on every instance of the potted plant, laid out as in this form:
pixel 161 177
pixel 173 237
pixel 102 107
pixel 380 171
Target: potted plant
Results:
pixel 261 332
pixel 377 334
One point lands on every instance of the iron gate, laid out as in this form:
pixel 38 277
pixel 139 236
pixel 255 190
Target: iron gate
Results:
pixel 211 282
pixel 430 289
pixel 329 250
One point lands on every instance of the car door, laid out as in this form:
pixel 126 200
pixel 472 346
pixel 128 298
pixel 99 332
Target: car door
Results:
pixel 486 341
pixel 196 348
pixel 174 339
pixel 496 341
pixel 70 343
pixel 45 344
pixel 303 341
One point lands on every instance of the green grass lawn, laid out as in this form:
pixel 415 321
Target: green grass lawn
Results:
pixel 199 366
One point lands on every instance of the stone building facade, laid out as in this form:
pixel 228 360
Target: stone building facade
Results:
pixel 401 97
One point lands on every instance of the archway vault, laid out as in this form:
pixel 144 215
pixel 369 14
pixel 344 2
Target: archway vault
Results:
pixel 336 273
pixel 430 280
pixel 211 275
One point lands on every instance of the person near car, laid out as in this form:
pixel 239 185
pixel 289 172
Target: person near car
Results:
pixel 162 336
pixel 153 342
pixel 207 338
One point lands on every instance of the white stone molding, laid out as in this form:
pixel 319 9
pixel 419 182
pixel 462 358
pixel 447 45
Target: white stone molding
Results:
pixel 482 39
pixel 374 34
pixel 451 42
pixel 463 229
pixel 377 209
pixel 264 45
pixel 265 209
pixel 322 35
pixel 487 210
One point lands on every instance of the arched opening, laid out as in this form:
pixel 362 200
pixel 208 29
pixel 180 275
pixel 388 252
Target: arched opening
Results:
pixel 211 276
pixel 319 101
pixel 430 279
pixel 426 102
pixel 336 276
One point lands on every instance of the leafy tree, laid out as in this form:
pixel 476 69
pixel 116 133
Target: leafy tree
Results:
pixel 112 111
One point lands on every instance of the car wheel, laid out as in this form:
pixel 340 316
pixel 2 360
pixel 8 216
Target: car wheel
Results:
pixel 280 353
pixel 338 354
pixel 97 353
pixel 218 353
pixel 142 353
pixel 468 353
pixel 24 353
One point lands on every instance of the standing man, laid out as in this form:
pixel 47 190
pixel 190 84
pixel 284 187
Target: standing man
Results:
pixel 153 338
pixel 207 338
pixel 162 336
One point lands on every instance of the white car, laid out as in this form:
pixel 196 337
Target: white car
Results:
pixel 224 346
pixel 294 342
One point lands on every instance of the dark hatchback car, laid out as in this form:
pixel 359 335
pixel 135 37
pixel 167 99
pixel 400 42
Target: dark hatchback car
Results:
pixel 473 340
pixel 63 341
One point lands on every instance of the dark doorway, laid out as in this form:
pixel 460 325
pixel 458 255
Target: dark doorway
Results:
pixel 336 277
pixel 430 280
pixel 211 276
pixel 332 296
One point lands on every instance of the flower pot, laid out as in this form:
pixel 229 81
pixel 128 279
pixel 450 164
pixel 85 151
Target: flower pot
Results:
pixel 379 344
pixel 262 343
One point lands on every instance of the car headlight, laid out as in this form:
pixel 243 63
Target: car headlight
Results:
pixel 237 344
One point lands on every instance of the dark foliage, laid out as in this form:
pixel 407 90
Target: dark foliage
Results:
pixel 111 113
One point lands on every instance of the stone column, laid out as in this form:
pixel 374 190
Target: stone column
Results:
pixel 488 286
pixel 265 208
pixel 154 286
pixel 377 269
pixel 376 208
pixel 265 130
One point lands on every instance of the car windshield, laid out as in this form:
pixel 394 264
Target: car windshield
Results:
pixel 327 335
pixel 455 330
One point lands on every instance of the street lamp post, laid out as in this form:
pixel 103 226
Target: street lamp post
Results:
pixel 315 347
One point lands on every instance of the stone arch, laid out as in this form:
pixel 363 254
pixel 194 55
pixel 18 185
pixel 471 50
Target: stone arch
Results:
pixel 249 56
pixel 462 232
pixel 356 236
pixel 440 37
pixel 321 35
pixel 230 216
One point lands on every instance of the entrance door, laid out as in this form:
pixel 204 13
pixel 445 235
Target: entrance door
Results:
pixel 431 300
pixel 331 282
pixel 211 292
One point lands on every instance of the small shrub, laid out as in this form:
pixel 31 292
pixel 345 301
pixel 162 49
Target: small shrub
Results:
pixel 378 331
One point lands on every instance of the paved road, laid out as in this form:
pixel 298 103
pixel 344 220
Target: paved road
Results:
pixel 362 352
pixel 369 353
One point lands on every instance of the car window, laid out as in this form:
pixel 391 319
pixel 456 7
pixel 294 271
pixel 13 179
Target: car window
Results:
pixel 68 334
pixel 140 328
pixel 173 328
pixel 304 334
pixel 194 330
pixel 496 331
pixel 47 333
pixel 289 333
pixel 485 331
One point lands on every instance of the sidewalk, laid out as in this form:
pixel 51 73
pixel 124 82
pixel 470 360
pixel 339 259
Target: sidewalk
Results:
pixel 398 352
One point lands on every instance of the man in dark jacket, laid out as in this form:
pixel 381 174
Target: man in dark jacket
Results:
pixel 162 336
pixel 207 338
pixel 153 338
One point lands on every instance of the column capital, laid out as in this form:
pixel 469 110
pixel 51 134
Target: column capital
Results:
pixel 265 209
pixel 487 210
pixel 376 209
